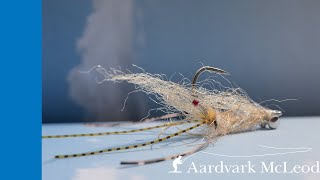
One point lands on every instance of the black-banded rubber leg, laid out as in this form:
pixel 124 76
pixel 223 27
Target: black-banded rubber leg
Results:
pixel 152 119
pixel 171 157
pixel 117 132
pixel 129 147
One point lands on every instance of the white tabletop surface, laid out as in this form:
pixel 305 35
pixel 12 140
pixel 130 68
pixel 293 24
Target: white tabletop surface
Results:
pixel 259 148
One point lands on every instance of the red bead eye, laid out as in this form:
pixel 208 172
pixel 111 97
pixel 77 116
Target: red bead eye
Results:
pixel 195 102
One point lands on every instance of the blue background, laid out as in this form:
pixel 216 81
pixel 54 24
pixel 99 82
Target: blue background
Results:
pixel 271 48
pixel 21 89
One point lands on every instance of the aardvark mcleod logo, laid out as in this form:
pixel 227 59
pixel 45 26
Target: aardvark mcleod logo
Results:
pixel 248 166
pixel 175 165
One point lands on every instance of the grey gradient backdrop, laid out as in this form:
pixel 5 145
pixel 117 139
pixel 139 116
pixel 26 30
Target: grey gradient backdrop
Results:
pixel 271 48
